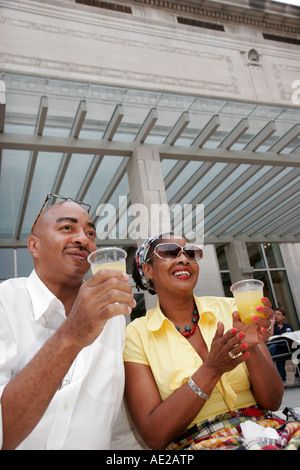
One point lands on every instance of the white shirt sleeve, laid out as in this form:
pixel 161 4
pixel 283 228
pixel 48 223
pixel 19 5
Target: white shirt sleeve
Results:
pixel 1 425
pixel 8 359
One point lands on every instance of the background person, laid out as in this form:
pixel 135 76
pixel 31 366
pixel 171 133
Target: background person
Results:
pixel 61 340
pixel 192 367
pixel 279 327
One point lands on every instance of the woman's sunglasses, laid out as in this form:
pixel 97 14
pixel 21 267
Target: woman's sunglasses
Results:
pixel 171 251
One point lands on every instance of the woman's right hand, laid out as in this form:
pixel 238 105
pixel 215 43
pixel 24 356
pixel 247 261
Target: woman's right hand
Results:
pixel 227 350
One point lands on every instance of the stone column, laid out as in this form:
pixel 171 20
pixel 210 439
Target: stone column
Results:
pixel 238 261
pixel 209 280
pixel 291 257
pixel 148 198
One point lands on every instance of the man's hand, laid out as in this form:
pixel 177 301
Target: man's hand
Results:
pixel 103 296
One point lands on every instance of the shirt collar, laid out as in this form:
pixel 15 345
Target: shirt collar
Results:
pixel 157 318
pixel 155 322
pixel 41 297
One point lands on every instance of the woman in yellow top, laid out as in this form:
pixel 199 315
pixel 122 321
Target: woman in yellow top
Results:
pixel 191 365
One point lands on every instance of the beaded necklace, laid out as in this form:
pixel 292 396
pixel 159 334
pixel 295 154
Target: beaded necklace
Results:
pixel 188 331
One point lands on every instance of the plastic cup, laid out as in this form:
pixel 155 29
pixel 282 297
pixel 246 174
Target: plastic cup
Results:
pixel 108 258
pixel 247 295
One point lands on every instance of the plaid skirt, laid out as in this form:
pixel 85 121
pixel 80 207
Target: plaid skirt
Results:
pixel 224 433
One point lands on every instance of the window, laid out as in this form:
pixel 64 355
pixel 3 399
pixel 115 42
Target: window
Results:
pixel 274 37
pixel 268 264
pixel 24 262
pixel 106 5
pixel 267 261
pixel 224 271
pixel 6 263
pixel 200 24
pixel 15 263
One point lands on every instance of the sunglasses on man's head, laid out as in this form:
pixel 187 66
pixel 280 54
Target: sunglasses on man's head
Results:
pixel 63 198
pixel 171 251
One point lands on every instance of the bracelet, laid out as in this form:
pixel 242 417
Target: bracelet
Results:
pixel 197 390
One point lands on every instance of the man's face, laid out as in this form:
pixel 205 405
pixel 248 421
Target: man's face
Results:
pixel 64 238
pixel 279 317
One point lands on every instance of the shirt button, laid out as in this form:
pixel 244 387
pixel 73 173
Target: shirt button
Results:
pixel 66 406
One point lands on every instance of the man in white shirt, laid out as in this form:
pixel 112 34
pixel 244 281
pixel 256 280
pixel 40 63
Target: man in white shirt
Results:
pixel 61 340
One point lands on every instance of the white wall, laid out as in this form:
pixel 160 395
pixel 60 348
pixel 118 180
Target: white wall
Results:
pixel 291 257
pixel 147 49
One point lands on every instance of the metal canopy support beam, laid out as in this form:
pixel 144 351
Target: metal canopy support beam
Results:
pixel 39 127
pixel 214 183
pixel 244 197
pixel 285 140
pixel 210 208
pixel 74 133
pixel 287 215
pixel 121 212
pixel 225 194
pixel 298 233
pixel 110 131
pixel 114 123
pixel 115 148
pixel 42 115
pixel 296 150
pixel 79 119
pixel 2 111
pixel 209 239
pixel 282 216
pixel 177 129
pixel 230 168
pixel 22 242
pixel 227 156
pixel 207 131
pixel 93 168
pixel 265 208
pixel 291 227
pixel 2 104
pixel 261 136
pixel 113 184
pixel 208 189
pixel 205 167
pixel 176 170
pixel 235 134
pixel 147 126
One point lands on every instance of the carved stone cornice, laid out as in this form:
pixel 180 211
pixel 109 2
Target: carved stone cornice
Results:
pixel 258 14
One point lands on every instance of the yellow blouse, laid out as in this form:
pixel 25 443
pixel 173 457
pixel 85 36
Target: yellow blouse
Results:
pixel 154 341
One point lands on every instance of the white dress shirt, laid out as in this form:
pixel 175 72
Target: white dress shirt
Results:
pixel 83 411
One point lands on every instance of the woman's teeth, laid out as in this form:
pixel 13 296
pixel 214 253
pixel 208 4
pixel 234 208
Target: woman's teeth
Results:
pixel 182 273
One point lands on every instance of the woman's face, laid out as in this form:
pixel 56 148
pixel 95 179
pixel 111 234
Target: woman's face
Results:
pixel 177 275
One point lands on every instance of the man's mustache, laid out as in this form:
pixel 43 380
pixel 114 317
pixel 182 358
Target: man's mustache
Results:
pixel 78 247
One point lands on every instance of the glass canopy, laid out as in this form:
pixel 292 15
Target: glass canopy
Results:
pixel 241 160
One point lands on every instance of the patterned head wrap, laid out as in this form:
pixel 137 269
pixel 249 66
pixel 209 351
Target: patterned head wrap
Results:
pixel 141 256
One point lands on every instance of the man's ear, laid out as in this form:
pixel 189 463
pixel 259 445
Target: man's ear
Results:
pixel 148 270
pixel 32 244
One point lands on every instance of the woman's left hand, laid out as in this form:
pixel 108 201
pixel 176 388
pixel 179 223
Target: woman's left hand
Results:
pixel 258 331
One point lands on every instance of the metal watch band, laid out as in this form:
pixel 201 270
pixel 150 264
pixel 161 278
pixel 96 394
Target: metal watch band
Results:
pixel 197 390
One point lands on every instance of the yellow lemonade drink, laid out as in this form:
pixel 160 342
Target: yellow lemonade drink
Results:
pixel 117 266
pixel 246 303
pixel 247 295
pixel 108 258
